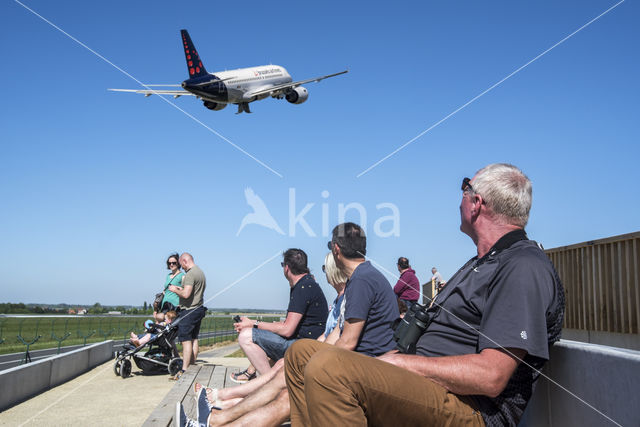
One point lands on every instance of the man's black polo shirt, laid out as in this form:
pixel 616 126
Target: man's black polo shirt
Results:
pixel 512 297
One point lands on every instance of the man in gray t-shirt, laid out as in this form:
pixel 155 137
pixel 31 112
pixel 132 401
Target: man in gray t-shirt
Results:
pixel 194 278
pixel 192 310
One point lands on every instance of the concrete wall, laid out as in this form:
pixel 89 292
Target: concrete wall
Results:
pixel 22 382
pixel 606 378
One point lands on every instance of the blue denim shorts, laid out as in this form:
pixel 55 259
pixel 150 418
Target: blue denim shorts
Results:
pixel 273 344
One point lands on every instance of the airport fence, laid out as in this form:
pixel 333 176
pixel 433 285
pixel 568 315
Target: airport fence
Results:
pixel 30 333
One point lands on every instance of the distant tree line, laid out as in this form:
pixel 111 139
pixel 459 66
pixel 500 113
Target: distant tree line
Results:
pixel 97 308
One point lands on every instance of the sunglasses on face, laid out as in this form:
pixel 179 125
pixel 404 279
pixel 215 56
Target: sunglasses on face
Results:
pixel 324 269
pixel 172 263
pixel 282 264
pixel 466 185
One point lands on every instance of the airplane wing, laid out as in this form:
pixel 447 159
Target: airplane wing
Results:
pixel 176 93
pixel 149 92
pixel 280 88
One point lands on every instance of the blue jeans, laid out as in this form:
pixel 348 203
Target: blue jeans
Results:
pixel 273 344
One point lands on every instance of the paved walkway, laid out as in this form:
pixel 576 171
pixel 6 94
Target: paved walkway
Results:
pixel 99 397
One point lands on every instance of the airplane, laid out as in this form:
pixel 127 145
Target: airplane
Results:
pixel 239 87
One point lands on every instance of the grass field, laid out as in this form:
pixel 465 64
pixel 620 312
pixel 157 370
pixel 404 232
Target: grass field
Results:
pixel 237 353
pixel 87 329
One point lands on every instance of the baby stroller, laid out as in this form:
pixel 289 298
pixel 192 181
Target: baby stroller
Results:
pixel 158 355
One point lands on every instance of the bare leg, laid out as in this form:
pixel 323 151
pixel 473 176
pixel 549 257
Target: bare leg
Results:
pixel 249 387
pixel 259 399
pixel 196 350
pixel 273 413
pixel 254 352
pixel 187 354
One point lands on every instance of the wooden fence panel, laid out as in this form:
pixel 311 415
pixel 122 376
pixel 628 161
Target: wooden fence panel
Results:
pixel 602 283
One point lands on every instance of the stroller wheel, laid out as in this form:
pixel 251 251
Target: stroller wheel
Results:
pixel 175 365
pixel 125 368
pixel 116 368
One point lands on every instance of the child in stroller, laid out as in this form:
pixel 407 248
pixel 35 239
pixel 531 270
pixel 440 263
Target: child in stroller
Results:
pixel 156 352
pixel 152 329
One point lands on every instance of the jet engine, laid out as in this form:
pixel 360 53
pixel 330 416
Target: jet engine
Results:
pixel 297 95
pixel 215 106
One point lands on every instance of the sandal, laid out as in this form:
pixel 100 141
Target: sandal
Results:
pixel 237 376
pixel 212 396
pixel 177 376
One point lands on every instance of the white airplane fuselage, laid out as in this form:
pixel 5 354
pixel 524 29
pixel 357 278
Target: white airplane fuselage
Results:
pixel 236 86
pixel 244 80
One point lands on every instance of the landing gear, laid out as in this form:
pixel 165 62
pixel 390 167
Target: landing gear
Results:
pixel 243 106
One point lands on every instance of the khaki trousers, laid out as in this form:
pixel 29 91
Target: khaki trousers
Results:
pixel 330 386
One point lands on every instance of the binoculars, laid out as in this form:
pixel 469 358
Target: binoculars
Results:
pixel 411 327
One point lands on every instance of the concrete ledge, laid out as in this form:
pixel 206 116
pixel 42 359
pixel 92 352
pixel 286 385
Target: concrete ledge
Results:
pixel 23 382
pixel 613 339
pixel 67 366
pixel 605 378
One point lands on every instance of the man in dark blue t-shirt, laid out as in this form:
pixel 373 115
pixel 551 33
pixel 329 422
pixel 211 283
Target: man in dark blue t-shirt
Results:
pixel 370 304
pixel 370 309
pixel 306 317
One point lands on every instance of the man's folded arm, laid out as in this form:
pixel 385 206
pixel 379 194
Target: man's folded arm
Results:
pixel 486 373
pixel 350 334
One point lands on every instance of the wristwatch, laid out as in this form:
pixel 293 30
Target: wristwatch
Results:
pixel 255 325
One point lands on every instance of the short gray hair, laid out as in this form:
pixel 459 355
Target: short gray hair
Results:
pixel 507 192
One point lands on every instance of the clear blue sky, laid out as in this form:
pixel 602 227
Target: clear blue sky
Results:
pixel 99 187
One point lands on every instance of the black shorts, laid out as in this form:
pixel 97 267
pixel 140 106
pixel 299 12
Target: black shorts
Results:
pixel 189 325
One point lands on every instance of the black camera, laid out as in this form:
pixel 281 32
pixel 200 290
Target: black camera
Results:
pixel 411 327
pixel 236 319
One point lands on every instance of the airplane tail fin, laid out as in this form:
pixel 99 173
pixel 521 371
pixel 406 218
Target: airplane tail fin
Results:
pixel 196 69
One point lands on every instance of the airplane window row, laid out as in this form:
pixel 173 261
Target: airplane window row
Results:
pixel 251 79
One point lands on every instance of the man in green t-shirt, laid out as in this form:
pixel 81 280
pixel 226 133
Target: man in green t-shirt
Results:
pixel 192 310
